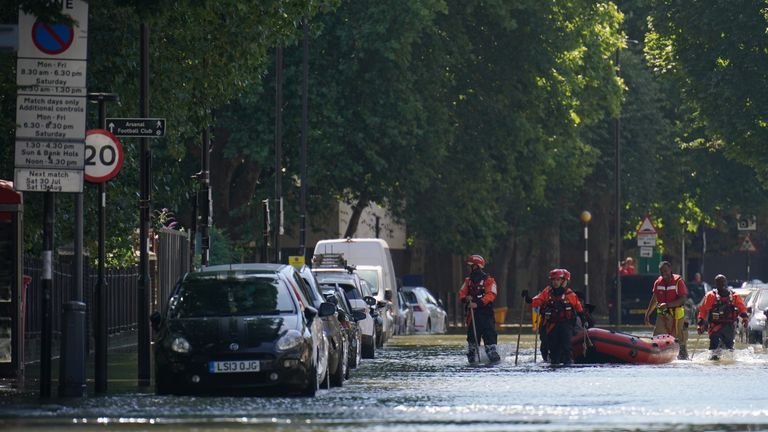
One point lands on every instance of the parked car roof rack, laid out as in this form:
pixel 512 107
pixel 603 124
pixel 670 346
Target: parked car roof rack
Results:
pixel 331 260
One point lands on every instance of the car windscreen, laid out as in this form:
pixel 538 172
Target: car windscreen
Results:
pixel 637 288
pixel 410 297
pixel 372 277
pixel 232 296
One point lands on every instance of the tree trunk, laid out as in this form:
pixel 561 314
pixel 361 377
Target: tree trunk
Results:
pixel 601 272
pixel 354 218
pixel 500 265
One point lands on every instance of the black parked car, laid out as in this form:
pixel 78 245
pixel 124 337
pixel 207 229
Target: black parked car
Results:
pixel 349 320
pixel 338 344
pixel 239 327
pixel 636 291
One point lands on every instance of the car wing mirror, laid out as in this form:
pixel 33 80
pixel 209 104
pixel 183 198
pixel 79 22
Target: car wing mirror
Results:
pixel 156 320
pixel 358 315
pixel 310 313
pixel 326 309
pixel 371 301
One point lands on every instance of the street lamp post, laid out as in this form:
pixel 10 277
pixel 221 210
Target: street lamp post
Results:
pixel 585 218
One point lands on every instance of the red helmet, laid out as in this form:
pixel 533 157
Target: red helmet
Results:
pixel 476 260
pixel 566 274
pixel 557 273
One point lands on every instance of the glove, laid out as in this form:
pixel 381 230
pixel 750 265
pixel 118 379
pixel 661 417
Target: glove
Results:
pixel 467 299
pixel 584 321
pixel 700 329
pixel 524 294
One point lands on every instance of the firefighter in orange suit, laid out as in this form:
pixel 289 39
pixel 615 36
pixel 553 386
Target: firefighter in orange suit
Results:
pixel 669 296
pixel 559 306
pixel 718 314
pixel 478 293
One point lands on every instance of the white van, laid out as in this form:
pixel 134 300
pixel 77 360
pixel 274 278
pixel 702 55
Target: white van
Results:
pixel 367 252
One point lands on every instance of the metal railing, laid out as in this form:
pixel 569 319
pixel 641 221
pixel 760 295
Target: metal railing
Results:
pixel 122 286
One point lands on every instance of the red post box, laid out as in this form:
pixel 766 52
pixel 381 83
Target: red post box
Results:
pixel 11 282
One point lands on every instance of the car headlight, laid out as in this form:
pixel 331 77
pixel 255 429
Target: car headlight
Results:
pixel 290 340
pixel 180 345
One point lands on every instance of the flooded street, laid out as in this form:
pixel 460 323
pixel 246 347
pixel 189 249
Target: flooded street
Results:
pixel 423 383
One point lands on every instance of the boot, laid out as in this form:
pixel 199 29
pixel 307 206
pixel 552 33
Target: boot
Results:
pixel 683 354
pixel 471 354
pixel 493 355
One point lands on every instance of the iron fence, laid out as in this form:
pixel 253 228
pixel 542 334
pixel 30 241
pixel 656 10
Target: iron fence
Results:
pixel 122 287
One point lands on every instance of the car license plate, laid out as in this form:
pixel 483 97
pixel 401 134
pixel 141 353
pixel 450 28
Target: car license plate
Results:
pixel 234 366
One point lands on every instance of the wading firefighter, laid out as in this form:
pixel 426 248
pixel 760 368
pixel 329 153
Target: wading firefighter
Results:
pixel 719 313
pixel 478 293
pixel 669 295
pixel 558 307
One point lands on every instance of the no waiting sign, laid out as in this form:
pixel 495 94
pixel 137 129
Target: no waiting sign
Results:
pixel 103 156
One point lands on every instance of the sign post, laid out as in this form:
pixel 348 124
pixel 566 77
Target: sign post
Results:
pixel 137 127
pixel 49 157
pixel 647 238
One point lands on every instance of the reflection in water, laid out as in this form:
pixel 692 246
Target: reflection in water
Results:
pixel 423 383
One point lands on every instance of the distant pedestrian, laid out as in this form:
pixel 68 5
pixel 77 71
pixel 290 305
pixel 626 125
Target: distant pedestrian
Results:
pixel 478 293
pixel 668 297
pixel 627 267
pixel 718 315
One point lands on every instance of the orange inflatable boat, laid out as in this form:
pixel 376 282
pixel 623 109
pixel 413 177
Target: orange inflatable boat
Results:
pixel 607 346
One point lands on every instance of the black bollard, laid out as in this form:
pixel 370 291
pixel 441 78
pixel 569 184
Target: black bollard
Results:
pixel 72 379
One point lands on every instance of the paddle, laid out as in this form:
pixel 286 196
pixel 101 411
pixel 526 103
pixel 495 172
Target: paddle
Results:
pixel 474 331
pixel 519 333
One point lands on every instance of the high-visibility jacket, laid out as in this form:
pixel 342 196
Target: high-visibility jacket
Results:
pixel 557 308
pixel 718 310
pixel 483 292
pixel 667 291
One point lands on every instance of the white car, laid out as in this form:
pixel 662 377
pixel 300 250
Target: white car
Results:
pixel 374 275
pixel 428 313
pixel 758 303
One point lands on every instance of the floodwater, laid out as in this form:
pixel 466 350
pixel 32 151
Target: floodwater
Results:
pixel 423 383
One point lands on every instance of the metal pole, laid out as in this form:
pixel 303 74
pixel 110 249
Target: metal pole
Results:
pixel 145 198
pixel 205 206
pixel 586 262
pixel 100 293
pixel 266 231
pixel 617 195
pixel 682 261
pixel 304 132
pixel 278 148
pixel 46 332
pixel 193 233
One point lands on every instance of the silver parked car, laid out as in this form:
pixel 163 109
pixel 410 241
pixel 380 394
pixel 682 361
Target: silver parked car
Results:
pixel 428 313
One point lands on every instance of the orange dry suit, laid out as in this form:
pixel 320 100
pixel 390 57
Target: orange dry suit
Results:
pixel 718 310
pixel 558 309
pixel 481 288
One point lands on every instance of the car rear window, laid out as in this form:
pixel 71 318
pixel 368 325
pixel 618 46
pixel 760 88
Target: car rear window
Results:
pixel 236 296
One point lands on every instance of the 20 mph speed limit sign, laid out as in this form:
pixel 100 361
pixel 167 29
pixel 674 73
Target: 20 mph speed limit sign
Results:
pixel 103 156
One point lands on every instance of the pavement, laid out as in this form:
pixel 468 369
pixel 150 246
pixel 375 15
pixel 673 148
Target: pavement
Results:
pixel 122 375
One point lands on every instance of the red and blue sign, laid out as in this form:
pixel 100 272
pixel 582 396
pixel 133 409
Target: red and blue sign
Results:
pixel 52 38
